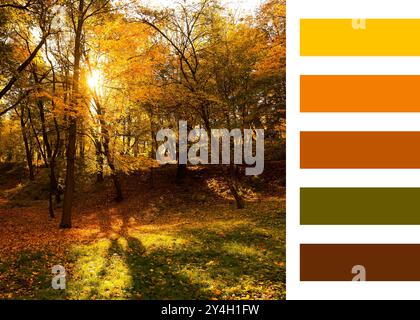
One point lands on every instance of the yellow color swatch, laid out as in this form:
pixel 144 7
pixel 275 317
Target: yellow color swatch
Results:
pixel 369 37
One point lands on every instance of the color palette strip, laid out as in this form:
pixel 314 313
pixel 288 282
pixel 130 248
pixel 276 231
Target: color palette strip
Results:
pixel 360 206
pixel 360 150
pixel 345 262
pixel 353 93
pixel 369 37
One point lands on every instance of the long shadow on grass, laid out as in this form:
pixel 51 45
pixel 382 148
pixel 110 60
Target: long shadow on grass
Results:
pixel 239 262
pixel 198 269
pixel 209 263
pixel 151 273
pixel 240 252
pixel 242 259
pixel 156 276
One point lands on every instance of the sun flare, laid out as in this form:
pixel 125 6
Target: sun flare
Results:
pixel 94 80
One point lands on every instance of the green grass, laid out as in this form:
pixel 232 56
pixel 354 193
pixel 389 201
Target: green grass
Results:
pixel 230 254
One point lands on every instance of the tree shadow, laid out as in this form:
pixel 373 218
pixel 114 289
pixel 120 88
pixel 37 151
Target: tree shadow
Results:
pixel 241 251
pixel 150 272
pixel 241 261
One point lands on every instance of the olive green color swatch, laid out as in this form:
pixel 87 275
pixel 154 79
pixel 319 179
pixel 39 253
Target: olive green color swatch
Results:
pixel 360 206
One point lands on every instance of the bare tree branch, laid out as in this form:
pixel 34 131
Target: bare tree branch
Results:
pixel 21 98
pixel 22 67
pixel 17 5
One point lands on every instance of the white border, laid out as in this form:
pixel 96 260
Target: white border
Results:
pixel 296 122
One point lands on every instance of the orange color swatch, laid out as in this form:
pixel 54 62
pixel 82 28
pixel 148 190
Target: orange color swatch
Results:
pixel 360 150
pixel 348 93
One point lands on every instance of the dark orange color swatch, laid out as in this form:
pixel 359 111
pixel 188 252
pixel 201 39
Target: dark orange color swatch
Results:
pixel 360 150
pixel 382 262
pixel 348 93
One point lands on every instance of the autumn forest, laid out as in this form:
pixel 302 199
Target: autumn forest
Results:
pixel 85 88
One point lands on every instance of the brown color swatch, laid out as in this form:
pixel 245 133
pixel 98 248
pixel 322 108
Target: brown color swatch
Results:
pixel 382 262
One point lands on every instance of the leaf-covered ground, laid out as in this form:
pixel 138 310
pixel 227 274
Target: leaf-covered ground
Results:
pixel 166 242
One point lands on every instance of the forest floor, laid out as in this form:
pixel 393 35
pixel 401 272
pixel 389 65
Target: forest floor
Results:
pixel 163 242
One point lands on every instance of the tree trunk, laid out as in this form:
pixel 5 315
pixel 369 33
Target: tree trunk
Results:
pixel 230 176
pixel 181 169
pixel 114 174
pixel 181 172
pixel 70 183
pixel 118 189
pixel 29 158
pixel 106 139
pixel 82 146
pixel 50 202
pixel 152 147
pixel 99 162
pixel 53 188
pixel 26 143
pixel 233 186
pixel 71 147
pixel 49 158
